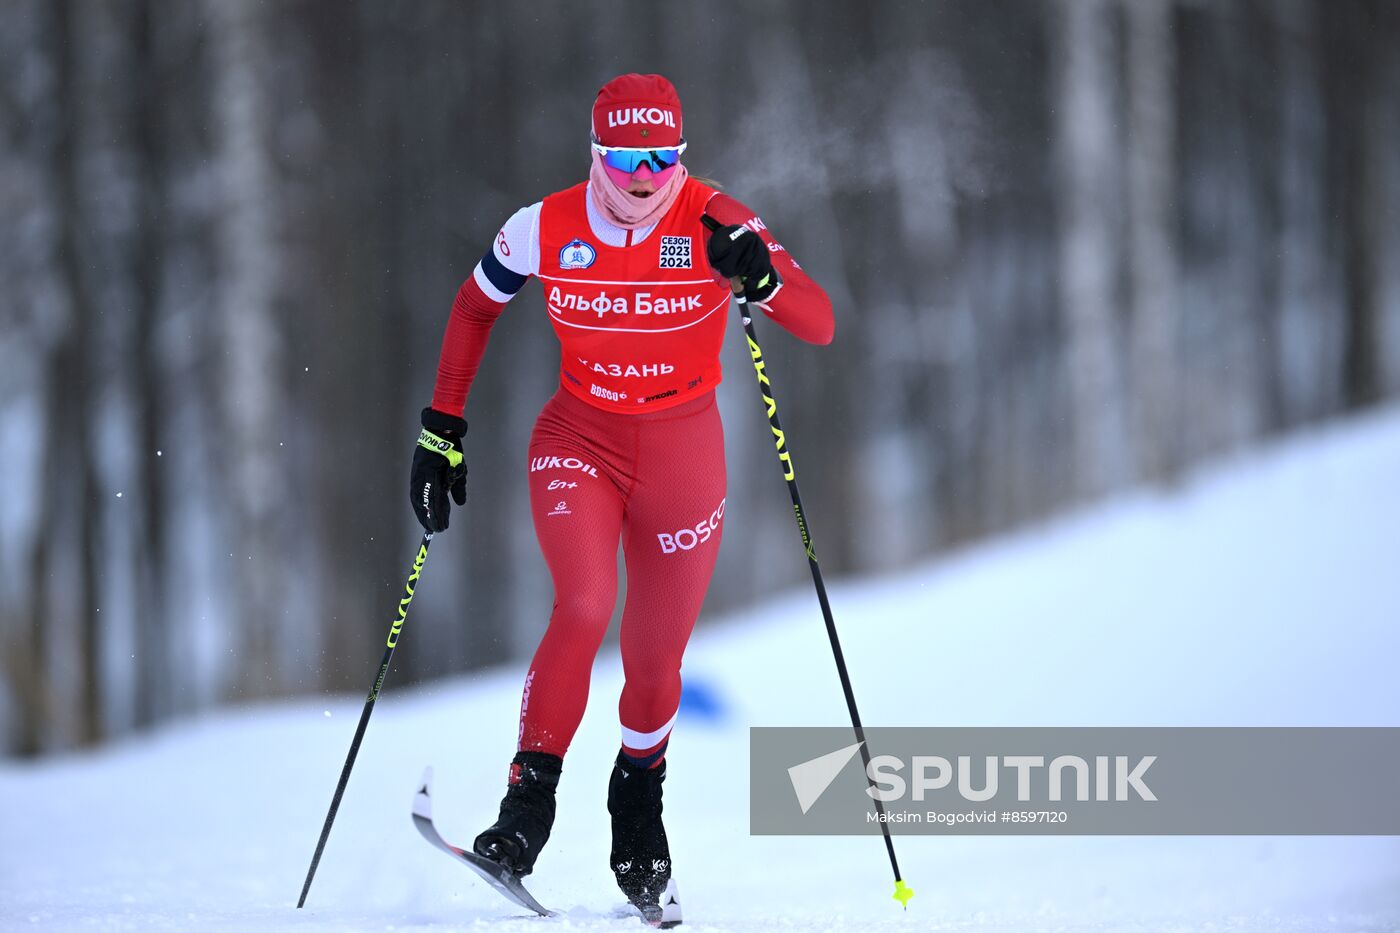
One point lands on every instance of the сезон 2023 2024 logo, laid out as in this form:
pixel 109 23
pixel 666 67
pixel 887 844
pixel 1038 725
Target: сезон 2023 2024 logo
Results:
pixel 577 254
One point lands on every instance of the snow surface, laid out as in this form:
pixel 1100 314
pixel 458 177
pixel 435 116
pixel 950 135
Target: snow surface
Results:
pixel 1260 592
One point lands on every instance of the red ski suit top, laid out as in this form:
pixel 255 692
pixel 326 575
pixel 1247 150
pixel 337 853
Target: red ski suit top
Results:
pixel 640 321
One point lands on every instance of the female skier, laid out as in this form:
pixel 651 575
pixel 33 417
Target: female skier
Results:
pixel 629 447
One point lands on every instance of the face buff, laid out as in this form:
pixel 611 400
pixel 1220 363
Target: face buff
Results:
pixel 628 210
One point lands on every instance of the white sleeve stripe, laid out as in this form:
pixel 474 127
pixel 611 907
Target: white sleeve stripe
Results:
pixel 643 740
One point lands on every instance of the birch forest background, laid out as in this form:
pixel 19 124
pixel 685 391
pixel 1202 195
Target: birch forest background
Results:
pixel 1075 247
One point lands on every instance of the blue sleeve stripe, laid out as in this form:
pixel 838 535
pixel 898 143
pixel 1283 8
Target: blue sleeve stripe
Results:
pixel 506 281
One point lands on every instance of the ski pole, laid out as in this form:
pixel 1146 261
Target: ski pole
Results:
pixel 394 630
pixel 902 891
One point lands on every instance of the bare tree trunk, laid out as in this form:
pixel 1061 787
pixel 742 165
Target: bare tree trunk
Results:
pixel 70 488
pixel 1356 49
pixel 1152 243
pixel 32 680
pixel 252 386
pixel 156 664
pixel 1383 205
pixel 28 328
pixel 1301 231
pixel 1088 255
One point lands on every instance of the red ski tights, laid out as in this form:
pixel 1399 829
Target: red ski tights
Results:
pixel 656 481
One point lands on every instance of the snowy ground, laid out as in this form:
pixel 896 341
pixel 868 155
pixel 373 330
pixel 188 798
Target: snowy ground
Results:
pixel 1262 592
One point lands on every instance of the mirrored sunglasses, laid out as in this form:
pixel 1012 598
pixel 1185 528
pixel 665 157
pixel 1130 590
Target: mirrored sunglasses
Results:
pixel 629 160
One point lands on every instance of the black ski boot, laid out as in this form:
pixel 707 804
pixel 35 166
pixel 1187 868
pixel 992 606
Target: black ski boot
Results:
pixel 641 859
pixel 527 813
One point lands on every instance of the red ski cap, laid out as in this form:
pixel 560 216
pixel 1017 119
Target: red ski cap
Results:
pixel 637 112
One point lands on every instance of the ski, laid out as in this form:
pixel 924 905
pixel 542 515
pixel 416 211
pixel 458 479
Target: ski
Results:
pixel 497 876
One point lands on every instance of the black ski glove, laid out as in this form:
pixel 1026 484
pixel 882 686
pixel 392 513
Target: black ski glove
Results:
pixel 438 468
pixel 738 251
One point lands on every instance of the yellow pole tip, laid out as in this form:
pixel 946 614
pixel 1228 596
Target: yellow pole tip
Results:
pixel 902 893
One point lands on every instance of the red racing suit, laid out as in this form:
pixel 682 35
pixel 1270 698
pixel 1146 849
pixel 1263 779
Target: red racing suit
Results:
pixel 631 447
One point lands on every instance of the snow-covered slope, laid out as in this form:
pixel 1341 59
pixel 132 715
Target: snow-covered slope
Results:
pixel 1262 592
